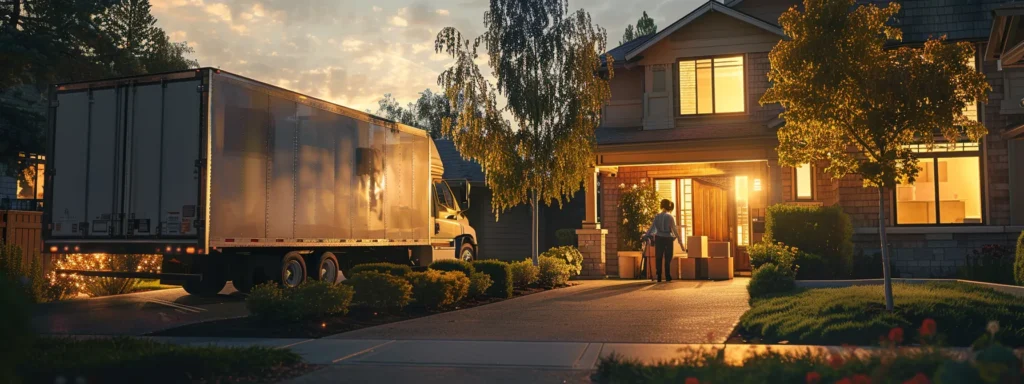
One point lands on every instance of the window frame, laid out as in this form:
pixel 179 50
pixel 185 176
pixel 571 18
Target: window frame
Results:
pixel 679 94
pixel 935 156
pixel 814 180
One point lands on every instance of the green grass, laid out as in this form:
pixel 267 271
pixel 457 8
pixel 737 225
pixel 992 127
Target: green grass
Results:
pixel 136 360
pixel 857 315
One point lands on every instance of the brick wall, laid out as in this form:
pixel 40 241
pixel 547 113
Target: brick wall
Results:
pixel 934 254
pixel 757 83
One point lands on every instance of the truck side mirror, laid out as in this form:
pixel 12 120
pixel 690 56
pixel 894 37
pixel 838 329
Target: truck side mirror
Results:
pixel 465 197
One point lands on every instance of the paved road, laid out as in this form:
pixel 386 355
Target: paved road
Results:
pixel 136 313
pixel 609 311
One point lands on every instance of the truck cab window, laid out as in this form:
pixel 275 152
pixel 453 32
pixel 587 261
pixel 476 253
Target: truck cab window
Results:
pixel 444 195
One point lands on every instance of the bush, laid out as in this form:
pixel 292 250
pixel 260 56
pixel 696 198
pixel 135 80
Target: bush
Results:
pixel 771 253
pixel 570 255
pixel 553 272
pixel 566 236
pixel 1018 265
pixel 312 299
pixel 381 291
pixel 435 289
pixel 992 264
pixel 638 204
pixel 447 265
pixel 15 326
pixel 823 231
pixel 501 277
pixel 389 268
pixel 770 279
pixel 478 284
pixel 809 266
pixel 524 273
pixel 37 288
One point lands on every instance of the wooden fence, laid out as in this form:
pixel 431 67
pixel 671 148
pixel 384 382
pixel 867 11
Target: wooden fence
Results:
pixel 24 229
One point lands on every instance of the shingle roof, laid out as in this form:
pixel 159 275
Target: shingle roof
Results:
pixel 633 135
pixel 455 167
pixel 619 53
pixel 957 19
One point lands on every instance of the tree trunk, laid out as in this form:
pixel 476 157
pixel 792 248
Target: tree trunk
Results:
pixel 886 272
pixel 535 228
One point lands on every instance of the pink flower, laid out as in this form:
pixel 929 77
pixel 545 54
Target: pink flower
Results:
pixel 896 335
pixel 813 378
pixel 928 328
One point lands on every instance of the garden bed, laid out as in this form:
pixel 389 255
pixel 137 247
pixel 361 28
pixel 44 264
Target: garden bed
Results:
pixel 856 315
pixel 357 318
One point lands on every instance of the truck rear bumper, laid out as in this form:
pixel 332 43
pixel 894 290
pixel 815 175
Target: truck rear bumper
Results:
pixel 134 275
pixel 122 246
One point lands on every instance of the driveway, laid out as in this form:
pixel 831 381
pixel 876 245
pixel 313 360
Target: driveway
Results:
pixel 610 311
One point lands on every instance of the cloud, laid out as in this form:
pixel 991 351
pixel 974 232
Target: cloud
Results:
pixel 399 21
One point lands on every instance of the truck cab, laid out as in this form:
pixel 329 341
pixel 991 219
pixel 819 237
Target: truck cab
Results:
pixel 453 237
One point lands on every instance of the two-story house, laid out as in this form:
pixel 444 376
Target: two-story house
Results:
pixel 685 116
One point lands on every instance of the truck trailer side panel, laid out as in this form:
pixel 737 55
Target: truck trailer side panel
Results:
pixel 287 170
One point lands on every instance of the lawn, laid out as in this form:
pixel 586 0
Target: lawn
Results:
pixel 857 315
pixel 143 361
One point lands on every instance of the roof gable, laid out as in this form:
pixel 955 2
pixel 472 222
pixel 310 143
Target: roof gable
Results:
pixel 710 6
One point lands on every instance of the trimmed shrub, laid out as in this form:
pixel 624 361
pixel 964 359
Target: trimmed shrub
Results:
pixel 447 265
pixel 501 277
pixel 312 299
pixel 1018 266
pixel 566 236
pixel 15 327
pixel 809 266
pixel 389 268
pixel 771 253
pixel 524 273
pixel 478 284
pixel 570 255
pixel 435 289
pixel 823 231
pixel 553 272
pixel 769 279
pixel 381 291
pixel 992 263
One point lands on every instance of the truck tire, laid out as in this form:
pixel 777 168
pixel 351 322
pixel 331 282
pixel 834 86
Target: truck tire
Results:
pixel 293 270
pixel 212 283
pixel 327 269
pixel 466 252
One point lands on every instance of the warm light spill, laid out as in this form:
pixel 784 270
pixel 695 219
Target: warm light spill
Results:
pixel 190 250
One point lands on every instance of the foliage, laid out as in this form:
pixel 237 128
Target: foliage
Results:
pixel 102 286
pixel 823 231
pixel 524 273
pixel 545 151
pixel 553 273
pixel 501 277
pixel 566 236
pixel 809 266
pixel 570 255
pixel 836 316
pixel 1018 264
pixel 771 253
pixel 435 289
pixel 389 268
pixel 132 360
pixel 645 26
pixel 15 325
pixel 426 113
pixel 991 263
pixel 453 265
pixel 770 279
pixel 381 291
pixel 992 364
pixel 638 204
pixel 479 282
pixel 310 300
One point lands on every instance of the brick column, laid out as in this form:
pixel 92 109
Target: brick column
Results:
pixel 591 244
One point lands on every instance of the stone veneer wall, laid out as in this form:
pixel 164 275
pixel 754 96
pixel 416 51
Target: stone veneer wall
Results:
pixel 933 254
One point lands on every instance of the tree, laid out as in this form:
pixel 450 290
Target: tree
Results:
pixel 390 108
pixel 547 67
pixel 628 35
pixel 427 113
pixel 645 26
pixel 857 105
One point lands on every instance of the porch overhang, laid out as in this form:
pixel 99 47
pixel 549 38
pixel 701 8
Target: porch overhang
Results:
pixel 689 151
pixel 1006 39
pixel 1014 133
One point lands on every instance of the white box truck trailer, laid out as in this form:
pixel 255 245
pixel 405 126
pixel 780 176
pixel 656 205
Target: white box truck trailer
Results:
pixel 232 179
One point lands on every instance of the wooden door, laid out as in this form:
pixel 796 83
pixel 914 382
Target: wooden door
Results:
pixel 710 211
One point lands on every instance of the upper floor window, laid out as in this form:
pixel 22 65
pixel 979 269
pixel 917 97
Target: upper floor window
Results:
pixel 712 85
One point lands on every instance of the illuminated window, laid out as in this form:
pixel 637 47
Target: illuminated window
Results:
pixel 742 211
pixel 712 85
pixel 30 184
pixel 947 190
pixel 803 182
pixel 680 193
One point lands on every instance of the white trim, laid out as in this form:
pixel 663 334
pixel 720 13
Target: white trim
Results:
pixel 943 229
pixel 709 6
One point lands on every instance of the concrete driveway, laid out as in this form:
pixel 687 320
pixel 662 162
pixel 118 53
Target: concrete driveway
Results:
pixel 610 311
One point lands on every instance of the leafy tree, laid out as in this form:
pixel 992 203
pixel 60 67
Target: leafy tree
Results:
pixel 645 26
pixel 390 108
pixel 628 35
pixel 545 60
pixel 427 113
pixel 857 105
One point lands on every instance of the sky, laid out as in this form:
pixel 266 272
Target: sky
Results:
pixel 352 52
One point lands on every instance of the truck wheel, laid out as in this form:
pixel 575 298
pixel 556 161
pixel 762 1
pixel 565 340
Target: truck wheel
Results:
pixel 466 252
pixel 212 283
pixel 293 270
pixel 327 269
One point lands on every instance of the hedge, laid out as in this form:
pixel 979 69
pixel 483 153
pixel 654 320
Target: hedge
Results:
pixel 823 231
pixel 570 255
pixel 448 265
pixel 501 277
pixel 770 279
pixel 524 273
pixel 1018 266
pixel 311 299
pixel 381 291
pixel 388 268
pixel 434 289
pixel 554 272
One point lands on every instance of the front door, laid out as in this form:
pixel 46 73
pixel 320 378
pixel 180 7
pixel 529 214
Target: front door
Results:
pixel 710 211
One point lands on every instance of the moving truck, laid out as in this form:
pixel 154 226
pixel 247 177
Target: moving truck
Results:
pixel 232 179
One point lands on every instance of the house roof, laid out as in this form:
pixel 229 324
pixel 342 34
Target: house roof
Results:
pixel 1006 38
pixel 456 167
pixel 710 6
pixel 619 53
pixel 635 135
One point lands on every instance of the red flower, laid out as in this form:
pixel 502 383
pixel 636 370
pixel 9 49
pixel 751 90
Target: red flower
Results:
pixel 896 335
pixel 692 380
pixel 861 379
pixel 813 378
pixel 835 361
pixel 919 378
pixel 928 328
pixel 845 380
